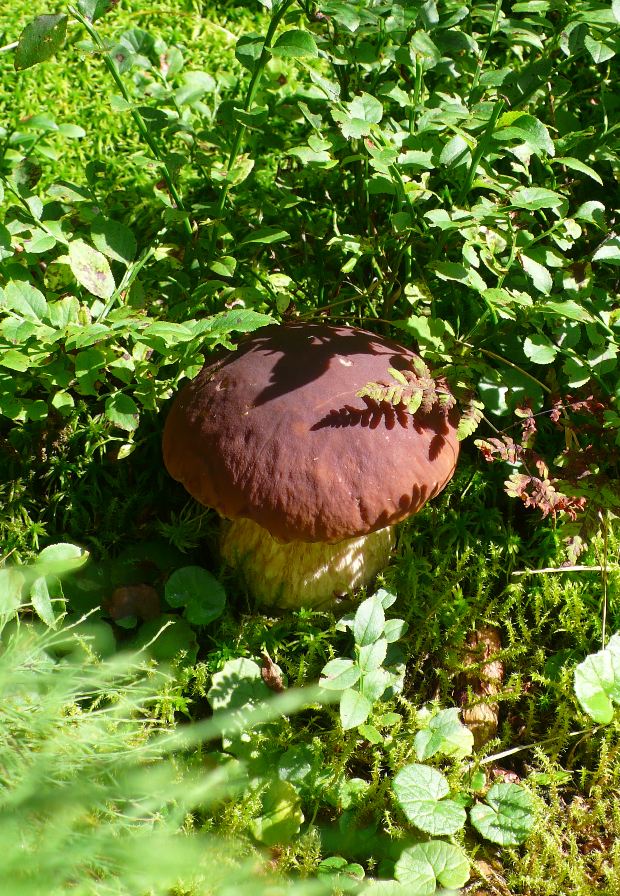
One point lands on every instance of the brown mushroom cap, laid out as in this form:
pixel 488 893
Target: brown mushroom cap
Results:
pixel 274 432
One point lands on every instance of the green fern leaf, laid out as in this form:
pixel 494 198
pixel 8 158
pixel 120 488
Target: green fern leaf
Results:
pixel 470 418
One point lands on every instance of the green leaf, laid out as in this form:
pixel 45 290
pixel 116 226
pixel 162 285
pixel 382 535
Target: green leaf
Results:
pixel 599 51
pixel 354 709
pixel 122 411
pixel 41 601
pixel 14 360
pixel 249 49
pixel 164 334
pixel 361 113
pixel 237 320
pixel 94 9
pixel 538 273
pixel 450 270
pixel 25 300
pixel 295 44
pixel 198 591
pixel 570 309
pixel 577 165
pixel 507 817
pixel 371 656
pixel 63 312
pixel 422 49
pixel 224 266
pixel 336 865
pixel 374 682
pixel 394 630
pixel 597 682
pixel 91 269
pixel 88 366
pixel 592 211
pixel 238 684
pixel 339 674
pixel 369 621
pixel 445 734
pixel 63 402
pixel 266 235
pixel 456 152
pixel 528 130
pixel 539 349
pixel 422 866
pixel 61 558
pixel 113 239
pixel 11 586
pixel 6 246
pixel 40 40
pixel 609 252
pixel 420 791
pixel 281 816
pixel 534 198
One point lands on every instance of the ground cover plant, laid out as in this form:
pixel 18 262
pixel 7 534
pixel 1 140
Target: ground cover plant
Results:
pixel 444 173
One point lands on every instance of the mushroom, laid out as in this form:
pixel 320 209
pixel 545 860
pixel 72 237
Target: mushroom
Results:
pixel 310 478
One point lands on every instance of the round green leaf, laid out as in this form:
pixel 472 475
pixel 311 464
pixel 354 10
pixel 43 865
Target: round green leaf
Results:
pixel 91 269
pixel 122 410
pixel 239 683
pixel 423 866
pixel 194 588
pixel 507 816
pixel 339 674
pixel 295 44
pixel 597 682
pixel 539 349
pixel 420 791
pixel 61 558
pixel 281 816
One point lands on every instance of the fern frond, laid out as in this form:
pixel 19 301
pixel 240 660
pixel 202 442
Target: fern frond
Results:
pixel 470 419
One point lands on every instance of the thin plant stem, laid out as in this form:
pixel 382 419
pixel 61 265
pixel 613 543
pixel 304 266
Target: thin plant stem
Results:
pixel 580 567
pixel 480 149
pixel 247 105
pixel 138 119
pixel 491 354
pixel 487 46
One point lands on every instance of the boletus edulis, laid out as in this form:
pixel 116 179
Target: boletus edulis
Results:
pixel 310 478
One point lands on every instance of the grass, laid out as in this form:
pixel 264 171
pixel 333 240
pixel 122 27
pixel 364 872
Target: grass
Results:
pixel 360 244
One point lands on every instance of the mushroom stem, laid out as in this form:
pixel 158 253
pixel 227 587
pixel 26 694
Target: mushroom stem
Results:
pixel 299 573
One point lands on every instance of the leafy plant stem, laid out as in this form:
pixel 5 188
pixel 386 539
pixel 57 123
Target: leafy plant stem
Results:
pixel 480 150
pixel 128 279
pixel 604 569
pixel 138 119
pixel 41 224
pixel 487 46
pixel 249 99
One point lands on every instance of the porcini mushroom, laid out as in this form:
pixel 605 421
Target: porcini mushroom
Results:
pixel 310 477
